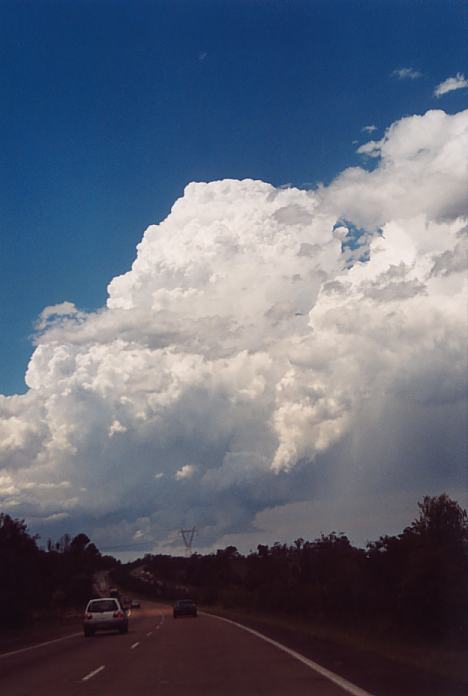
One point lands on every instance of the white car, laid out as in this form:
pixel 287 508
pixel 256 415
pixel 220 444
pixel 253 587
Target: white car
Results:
pixel 104 614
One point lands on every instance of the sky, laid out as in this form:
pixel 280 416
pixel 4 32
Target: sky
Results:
pixel 233 267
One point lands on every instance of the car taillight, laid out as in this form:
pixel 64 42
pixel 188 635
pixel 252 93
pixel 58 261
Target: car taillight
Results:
pixel 118 615
pixel 88 616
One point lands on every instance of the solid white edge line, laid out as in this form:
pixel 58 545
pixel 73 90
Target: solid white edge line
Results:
pixel 134 645
pixel 335 678
pixel 39 645
pixel 92 674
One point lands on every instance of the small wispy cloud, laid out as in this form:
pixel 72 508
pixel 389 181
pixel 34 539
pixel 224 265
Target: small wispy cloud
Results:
pixel 46 485
pixel 202 55
pixel 57 517
pixel 450 84
pixel 185 472
pixel 370 149
pixel 406 74
pixel 369 129
pixel 116 427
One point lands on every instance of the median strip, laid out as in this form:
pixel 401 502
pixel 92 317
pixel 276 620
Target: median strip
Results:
pixel 93 673
pixel 335 678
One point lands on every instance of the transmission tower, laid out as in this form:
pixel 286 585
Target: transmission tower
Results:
pixel 187 536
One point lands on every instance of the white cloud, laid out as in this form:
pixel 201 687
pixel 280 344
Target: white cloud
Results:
pixel 185 472
pixel 407 74
pixel 369 129
pixel 57 517
pixel 451 84
pixel 7 486
pixel 116 427
pixel 421 154
pixel 63 311
pixel 280 340
pixel 371 148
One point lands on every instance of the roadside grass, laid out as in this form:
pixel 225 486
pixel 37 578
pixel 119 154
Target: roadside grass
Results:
pixel 443 659
pixel 43 626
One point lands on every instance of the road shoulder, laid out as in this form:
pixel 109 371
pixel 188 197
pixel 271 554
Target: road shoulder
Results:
pixel 371 671
pixel 39 632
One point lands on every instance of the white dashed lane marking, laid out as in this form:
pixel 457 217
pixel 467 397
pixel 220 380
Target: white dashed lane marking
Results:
pixel 134 645
pixel 93 673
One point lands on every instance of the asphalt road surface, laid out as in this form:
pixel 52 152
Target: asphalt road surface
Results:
pixel 162 656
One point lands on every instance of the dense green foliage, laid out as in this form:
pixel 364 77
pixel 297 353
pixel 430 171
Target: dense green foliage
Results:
pixel 413 584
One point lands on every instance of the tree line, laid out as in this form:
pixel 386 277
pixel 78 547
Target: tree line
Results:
pixel 54 579
pixel 412 584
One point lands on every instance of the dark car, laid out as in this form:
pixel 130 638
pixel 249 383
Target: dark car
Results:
pixel 184 607
pixel 135 604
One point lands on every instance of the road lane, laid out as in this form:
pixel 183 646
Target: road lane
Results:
pixel 206 657
pixel 59 667
pixel 196 657
pixel 165 657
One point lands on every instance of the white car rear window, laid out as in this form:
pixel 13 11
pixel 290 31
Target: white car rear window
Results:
pixel 100 605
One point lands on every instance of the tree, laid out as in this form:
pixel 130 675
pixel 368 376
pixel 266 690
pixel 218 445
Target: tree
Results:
pixel 79 543
pixel 19 570
pixel 441 520
pixel 433 589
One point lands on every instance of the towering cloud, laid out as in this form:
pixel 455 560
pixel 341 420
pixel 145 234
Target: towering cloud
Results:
pixel 265 345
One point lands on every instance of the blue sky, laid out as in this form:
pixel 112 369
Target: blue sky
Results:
pixel 111 108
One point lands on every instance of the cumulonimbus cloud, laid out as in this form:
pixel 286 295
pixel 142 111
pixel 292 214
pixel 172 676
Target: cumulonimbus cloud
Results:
pixel 257 329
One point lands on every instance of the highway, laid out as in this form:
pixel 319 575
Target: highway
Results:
pixel 162 656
